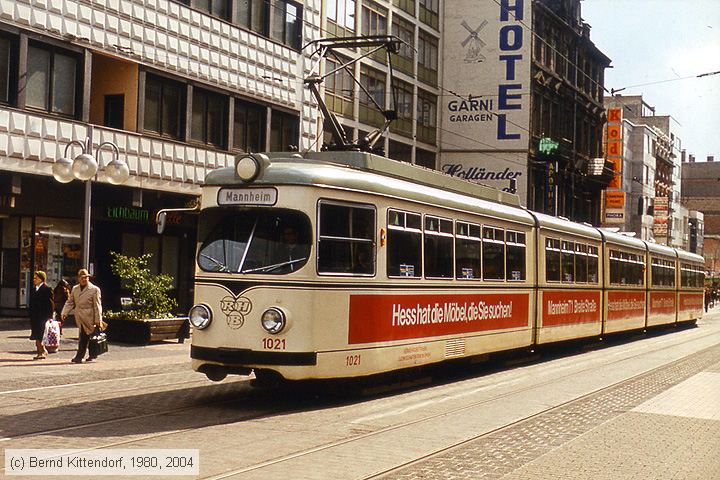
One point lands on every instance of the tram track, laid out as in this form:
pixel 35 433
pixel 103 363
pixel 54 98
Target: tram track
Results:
pixel 391 428
pixel 257 395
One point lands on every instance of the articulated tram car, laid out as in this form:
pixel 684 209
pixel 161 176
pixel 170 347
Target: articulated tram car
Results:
pixel 346 264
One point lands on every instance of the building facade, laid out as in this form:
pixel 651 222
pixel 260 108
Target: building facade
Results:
pixel 413 137
pixel 522 103
pixel 701 192
pixel 644 197
pixel 180 86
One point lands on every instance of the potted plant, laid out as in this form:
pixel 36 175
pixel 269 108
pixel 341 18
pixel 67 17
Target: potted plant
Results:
pixel 149 318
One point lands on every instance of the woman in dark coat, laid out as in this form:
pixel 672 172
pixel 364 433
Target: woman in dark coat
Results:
pixel 40 309
pixel 61 293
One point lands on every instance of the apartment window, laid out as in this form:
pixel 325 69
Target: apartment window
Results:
pixel 374 82
pixel 287 23
pixel 467 250
pixel 284 131
pixel 430 12
pixel 405 31
pixel 515 256
pixel 164 107
pixel 374 22
pixel 339 87
pixel 252 14
pixel 114 111
pixel 404 105
pixel 493 253
pixel 426 117
pixel 438 247
pixel 341 17
pixel 399 151
pixel 7 69
pixel 249 127
pixel 209 117
pixel 404 244
pixel 424 158
pixel 52 80
pixel 427 58
pixel 405 5
pixel 217 8
pixel 346 239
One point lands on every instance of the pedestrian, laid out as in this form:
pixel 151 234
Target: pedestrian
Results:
pixel 40 310
pixel 85 301
pixel 708 298
pixel 61 293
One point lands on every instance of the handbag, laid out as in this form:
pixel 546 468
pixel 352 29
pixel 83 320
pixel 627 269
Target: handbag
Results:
pixel 98 343
pixel 51 336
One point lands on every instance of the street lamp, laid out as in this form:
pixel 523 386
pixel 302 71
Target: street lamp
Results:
pixel 85 167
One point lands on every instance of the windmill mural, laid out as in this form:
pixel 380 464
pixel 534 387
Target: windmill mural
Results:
pixel 473 43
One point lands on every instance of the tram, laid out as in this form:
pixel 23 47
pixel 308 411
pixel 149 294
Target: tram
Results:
pixel 347 264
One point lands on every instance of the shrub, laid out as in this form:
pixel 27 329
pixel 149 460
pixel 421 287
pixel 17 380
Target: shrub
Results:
pixel 150 292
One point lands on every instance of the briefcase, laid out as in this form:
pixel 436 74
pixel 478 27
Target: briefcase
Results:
pixel 98 344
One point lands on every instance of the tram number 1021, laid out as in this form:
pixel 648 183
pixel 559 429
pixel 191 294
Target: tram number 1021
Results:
pixel 352 360
pixel 274 343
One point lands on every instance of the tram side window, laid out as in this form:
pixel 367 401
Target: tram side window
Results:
pixel 567 262
pixel 438 247
pixel 346 239
pixel 592 272
pixel 493 253
pixel 636 269
pixel 515 256
pixel 691 276
pixel 617 276
pixel 671 273
pixel 404 241
pixel 663 273
pixel 581 263
pixel 552 260
pixel 467 250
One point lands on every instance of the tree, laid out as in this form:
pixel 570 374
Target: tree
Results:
pixel 150 292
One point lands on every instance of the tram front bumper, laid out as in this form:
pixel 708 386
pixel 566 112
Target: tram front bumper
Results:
pixel 242 356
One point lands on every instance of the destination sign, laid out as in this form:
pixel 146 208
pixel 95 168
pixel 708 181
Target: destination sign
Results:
pixel 247 196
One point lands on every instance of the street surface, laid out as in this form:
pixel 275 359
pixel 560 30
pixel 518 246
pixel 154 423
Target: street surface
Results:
pixel 646 409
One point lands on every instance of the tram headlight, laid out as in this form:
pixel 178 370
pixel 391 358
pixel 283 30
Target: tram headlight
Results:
pixel 273 320
pixel 248 167
pixel 200 316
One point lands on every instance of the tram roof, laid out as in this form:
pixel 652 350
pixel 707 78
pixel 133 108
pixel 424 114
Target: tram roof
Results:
pixel 624 240
pixel 374 174
pixel 658 249
pixel 563 225
pixel 690 257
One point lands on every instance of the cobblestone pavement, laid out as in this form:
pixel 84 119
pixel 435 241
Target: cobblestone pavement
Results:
pixel 640 409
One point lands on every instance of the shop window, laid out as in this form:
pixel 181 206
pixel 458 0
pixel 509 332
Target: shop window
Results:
pixel 341 17
pixel 567 262
pixel 404 244
pixel 252 14
pixel 373 81
pixel 346 239
pixel 515 256
pixel 339 87
pixel 493 253
pixel 427 58
pixel 170 255
pixel 438 247
pixel 284 131
pixel 249 127
pixel 58 248
pixel 581 263
pixel 467 250
pixel 287 23
pixel 426 117
pixel 552 260
pixel 164 107
pixel 209 118
pixel 52 80
pixel 430 12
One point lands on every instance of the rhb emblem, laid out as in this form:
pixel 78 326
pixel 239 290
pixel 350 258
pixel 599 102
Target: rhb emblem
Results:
pixel 235 309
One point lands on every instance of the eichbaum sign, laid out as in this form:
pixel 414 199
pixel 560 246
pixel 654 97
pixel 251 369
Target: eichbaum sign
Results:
pixel 486 61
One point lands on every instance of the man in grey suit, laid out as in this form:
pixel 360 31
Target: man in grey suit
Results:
pixel 85 302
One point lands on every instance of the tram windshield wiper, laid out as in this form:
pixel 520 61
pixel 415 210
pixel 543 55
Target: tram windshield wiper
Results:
pixel 270 268
pixel 223 267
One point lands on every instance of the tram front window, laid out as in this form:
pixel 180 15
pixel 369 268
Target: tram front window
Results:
pixel 254 241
